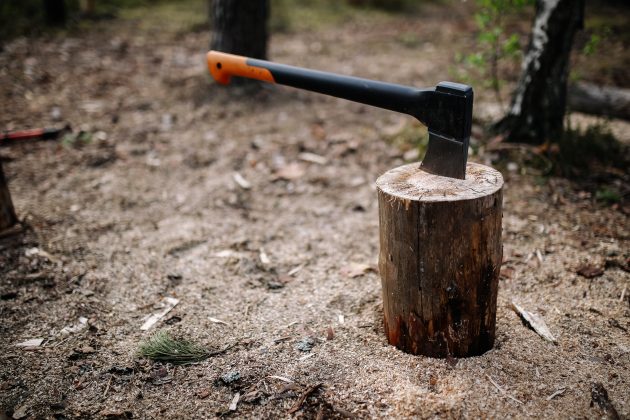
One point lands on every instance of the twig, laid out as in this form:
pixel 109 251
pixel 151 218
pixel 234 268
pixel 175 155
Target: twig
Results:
pixel 502 391
pixel 623 294
pixel 303 397
pixel 107 387
pixel 223 350
pixel 555 394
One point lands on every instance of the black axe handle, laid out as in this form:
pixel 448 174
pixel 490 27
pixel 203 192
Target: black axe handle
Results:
pixel 446 109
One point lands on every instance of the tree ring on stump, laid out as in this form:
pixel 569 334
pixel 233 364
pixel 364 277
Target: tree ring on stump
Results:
pixel 440 256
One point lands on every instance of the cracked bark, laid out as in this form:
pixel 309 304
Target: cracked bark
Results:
pixel 439 261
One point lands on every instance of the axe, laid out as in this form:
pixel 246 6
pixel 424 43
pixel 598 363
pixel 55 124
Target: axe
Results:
pixel 446 109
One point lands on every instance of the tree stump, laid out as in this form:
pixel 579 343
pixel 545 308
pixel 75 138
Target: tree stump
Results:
pixel 440 258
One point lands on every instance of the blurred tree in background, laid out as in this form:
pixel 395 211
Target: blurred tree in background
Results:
pixel 240 27
pixel 538 105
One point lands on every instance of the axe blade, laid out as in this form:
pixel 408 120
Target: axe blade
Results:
pixel 445 156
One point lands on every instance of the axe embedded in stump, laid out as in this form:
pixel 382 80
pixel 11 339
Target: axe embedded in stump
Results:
pixel 440 221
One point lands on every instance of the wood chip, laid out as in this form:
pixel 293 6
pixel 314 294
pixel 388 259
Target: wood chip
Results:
pixel 303 397
pixel 555 394
pixel 242 182
pixel 226 253
pixel 217 321
pixel 295 270
pixel 264 258
pixel 152 319
pixel 31 344
pixel 313 158
pixel 235 401
pixel 534 321
pixel 290 172
pixel 281 378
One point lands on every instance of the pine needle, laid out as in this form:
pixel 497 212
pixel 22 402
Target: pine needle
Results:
pixel 164 348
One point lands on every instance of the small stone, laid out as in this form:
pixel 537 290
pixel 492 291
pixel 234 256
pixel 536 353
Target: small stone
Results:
pixel 306 344
pixel 231 376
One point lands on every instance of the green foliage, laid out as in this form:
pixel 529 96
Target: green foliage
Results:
pixel 164 348
pixel 596 38
pixel 494 43
pixel 608 195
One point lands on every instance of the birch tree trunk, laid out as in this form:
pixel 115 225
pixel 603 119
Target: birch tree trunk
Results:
pixel 537 109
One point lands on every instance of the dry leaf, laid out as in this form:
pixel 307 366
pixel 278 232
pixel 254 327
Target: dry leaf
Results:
pixel 32 343
pixel 290 172
pixel 356 269
pixel 590 271
pixel 535 321
pixel 506 272
pixel 313 158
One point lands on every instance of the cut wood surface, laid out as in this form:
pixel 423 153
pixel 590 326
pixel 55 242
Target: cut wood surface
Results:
pixel 440 259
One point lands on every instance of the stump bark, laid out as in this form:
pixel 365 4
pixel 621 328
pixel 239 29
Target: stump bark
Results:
pixel 440 256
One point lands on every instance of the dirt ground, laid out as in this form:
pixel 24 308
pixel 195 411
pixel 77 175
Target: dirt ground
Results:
pixel 150 208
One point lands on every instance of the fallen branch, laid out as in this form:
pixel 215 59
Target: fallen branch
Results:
pixel 502 391
pixel 600 100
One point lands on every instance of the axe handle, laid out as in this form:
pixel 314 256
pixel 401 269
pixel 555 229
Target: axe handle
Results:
pixel 33 133
pixel 390 96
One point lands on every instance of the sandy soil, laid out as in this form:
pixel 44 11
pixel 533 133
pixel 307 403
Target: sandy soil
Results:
pixel 150 208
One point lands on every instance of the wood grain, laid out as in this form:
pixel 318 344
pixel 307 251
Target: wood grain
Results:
pixel 440 258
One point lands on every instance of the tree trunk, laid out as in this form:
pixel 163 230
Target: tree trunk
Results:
pixel 55 12
pixel 439 259
pixel 240 27
pixel 537 110
pixel 608 101
pixel 7 212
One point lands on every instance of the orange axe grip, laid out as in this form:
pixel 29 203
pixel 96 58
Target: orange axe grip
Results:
pixel 223 66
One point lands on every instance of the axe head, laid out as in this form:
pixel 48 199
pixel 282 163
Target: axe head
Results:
pixel 449 121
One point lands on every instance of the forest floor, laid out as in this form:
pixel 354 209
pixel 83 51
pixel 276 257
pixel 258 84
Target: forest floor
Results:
pixel 146 205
